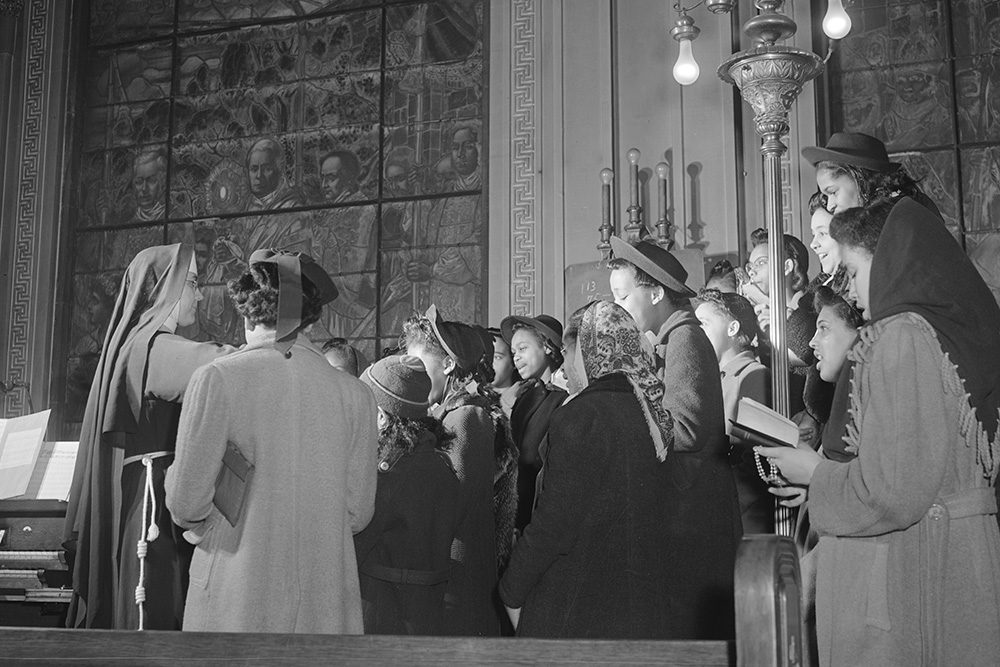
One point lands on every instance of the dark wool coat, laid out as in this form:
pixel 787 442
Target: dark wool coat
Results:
pixel 469 607
pixel 404 554
pixel 593 561
pixel 702 509
pixel 529 422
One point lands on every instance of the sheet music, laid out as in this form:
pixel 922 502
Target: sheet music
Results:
pixel 53 473
pixel 20 443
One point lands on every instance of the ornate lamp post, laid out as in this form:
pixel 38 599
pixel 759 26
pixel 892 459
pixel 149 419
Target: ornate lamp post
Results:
pixel 770 78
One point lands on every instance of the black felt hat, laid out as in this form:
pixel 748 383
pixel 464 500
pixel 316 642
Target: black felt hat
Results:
pixel 656 261
pixel 546 325
pixel 459 340
pixel 854 148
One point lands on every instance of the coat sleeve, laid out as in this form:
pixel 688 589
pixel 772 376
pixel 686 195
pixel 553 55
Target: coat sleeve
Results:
pixel 362 471
pixel 903 444
pixel 172 361
pixel 689 370
pixel 201 444
pixel 572 470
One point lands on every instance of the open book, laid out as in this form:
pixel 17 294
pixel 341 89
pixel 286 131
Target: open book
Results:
pixel 20 442
pixel 758 424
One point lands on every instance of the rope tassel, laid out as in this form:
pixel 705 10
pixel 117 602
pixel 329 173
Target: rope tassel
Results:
pixel 150 532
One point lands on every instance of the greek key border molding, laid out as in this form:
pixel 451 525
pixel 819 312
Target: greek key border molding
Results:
pixel 524 234
pixel 26 222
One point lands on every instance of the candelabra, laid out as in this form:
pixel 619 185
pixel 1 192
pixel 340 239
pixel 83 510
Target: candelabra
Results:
pixel 635 229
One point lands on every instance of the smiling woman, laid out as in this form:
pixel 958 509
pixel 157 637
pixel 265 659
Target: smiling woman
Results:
pixel 536 343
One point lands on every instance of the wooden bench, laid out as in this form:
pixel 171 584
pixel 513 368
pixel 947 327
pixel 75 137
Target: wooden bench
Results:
pixel 768 634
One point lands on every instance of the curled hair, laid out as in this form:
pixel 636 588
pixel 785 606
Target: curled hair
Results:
pixel 401 434
pixel 572 331
pixel 861 227
pixel 554 355
pixel 643 279
pixel 723 273
pixel 795 250
pixel 817 201
pixel 417 331
pixel 873 185
pixel 255 296
pixel 735 307
pixel 826 297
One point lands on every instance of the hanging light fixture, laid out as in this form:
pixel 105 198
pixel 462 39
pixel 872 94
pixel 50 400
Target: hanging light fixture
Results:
pixel 837 22
pixel 686 68
pixel 836 25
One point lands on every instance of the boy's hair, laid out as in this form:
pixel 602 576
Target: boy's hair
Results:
pixel 355 360
pixel 737 308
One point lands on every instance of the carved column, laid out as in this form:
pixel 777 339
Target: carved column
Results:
pixel 770 78
pixel 32 136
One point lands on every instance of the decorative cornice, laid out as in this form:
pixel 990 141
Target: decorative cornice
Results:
pixel 26 221
pixel 525 232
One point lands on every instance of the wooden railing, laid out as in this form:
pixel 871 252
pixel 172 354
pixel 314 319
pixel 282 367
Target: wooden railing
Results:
pixel 767 617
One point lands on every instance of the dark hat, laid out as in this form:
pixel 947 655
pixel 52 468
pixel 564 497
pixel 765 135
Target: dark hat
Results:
pixel 854 148
pixel 400 385
pixel 548 326
pixel 459 340
pixel 656 261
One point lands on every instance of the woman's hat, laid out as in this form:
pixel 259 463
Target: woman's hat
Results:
pixel 546 325
pixel 293 268
pixel 459 340
pixel 656 261
pixel 400 385
pixel 854 148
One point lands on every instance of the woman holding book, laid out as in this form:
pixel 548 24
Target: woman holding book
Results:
pixel 126 445
pixel 908 560
pixel 275 552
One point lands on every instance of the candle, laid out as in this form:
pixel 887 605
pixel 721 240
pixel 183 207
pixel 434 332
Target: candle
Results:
pixel 633 158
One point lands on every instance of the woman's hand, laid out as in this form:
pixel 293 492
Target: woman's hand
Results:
pixel 793 495
pixel 795 464
pixel 514 615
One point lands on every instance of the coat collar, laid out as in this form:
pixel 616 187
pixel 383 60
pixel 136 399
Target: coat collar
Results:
pixel 683 316
pixel 737 364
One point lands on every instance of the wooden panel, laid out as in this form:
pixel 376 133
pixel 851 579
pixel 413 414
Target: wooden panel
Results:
pixel 170 649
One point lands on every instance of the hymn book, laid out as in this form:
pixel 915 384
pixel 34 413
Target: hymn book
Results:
pixel 758 424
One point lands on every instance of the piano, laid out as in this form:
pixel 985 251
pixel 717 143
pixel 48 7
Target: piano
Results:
pixel 35 586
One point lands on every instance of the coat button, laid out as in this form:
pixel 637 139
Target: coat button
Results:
pixel 936 512
pixel 383 466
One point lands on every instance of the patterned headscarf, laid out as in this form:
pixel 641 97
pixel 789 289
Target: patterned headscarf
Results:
pixel 609 341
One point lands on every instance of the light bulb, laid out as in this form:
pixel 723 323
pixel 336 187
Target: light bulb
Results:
pixel 686 70
pixel 836 23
